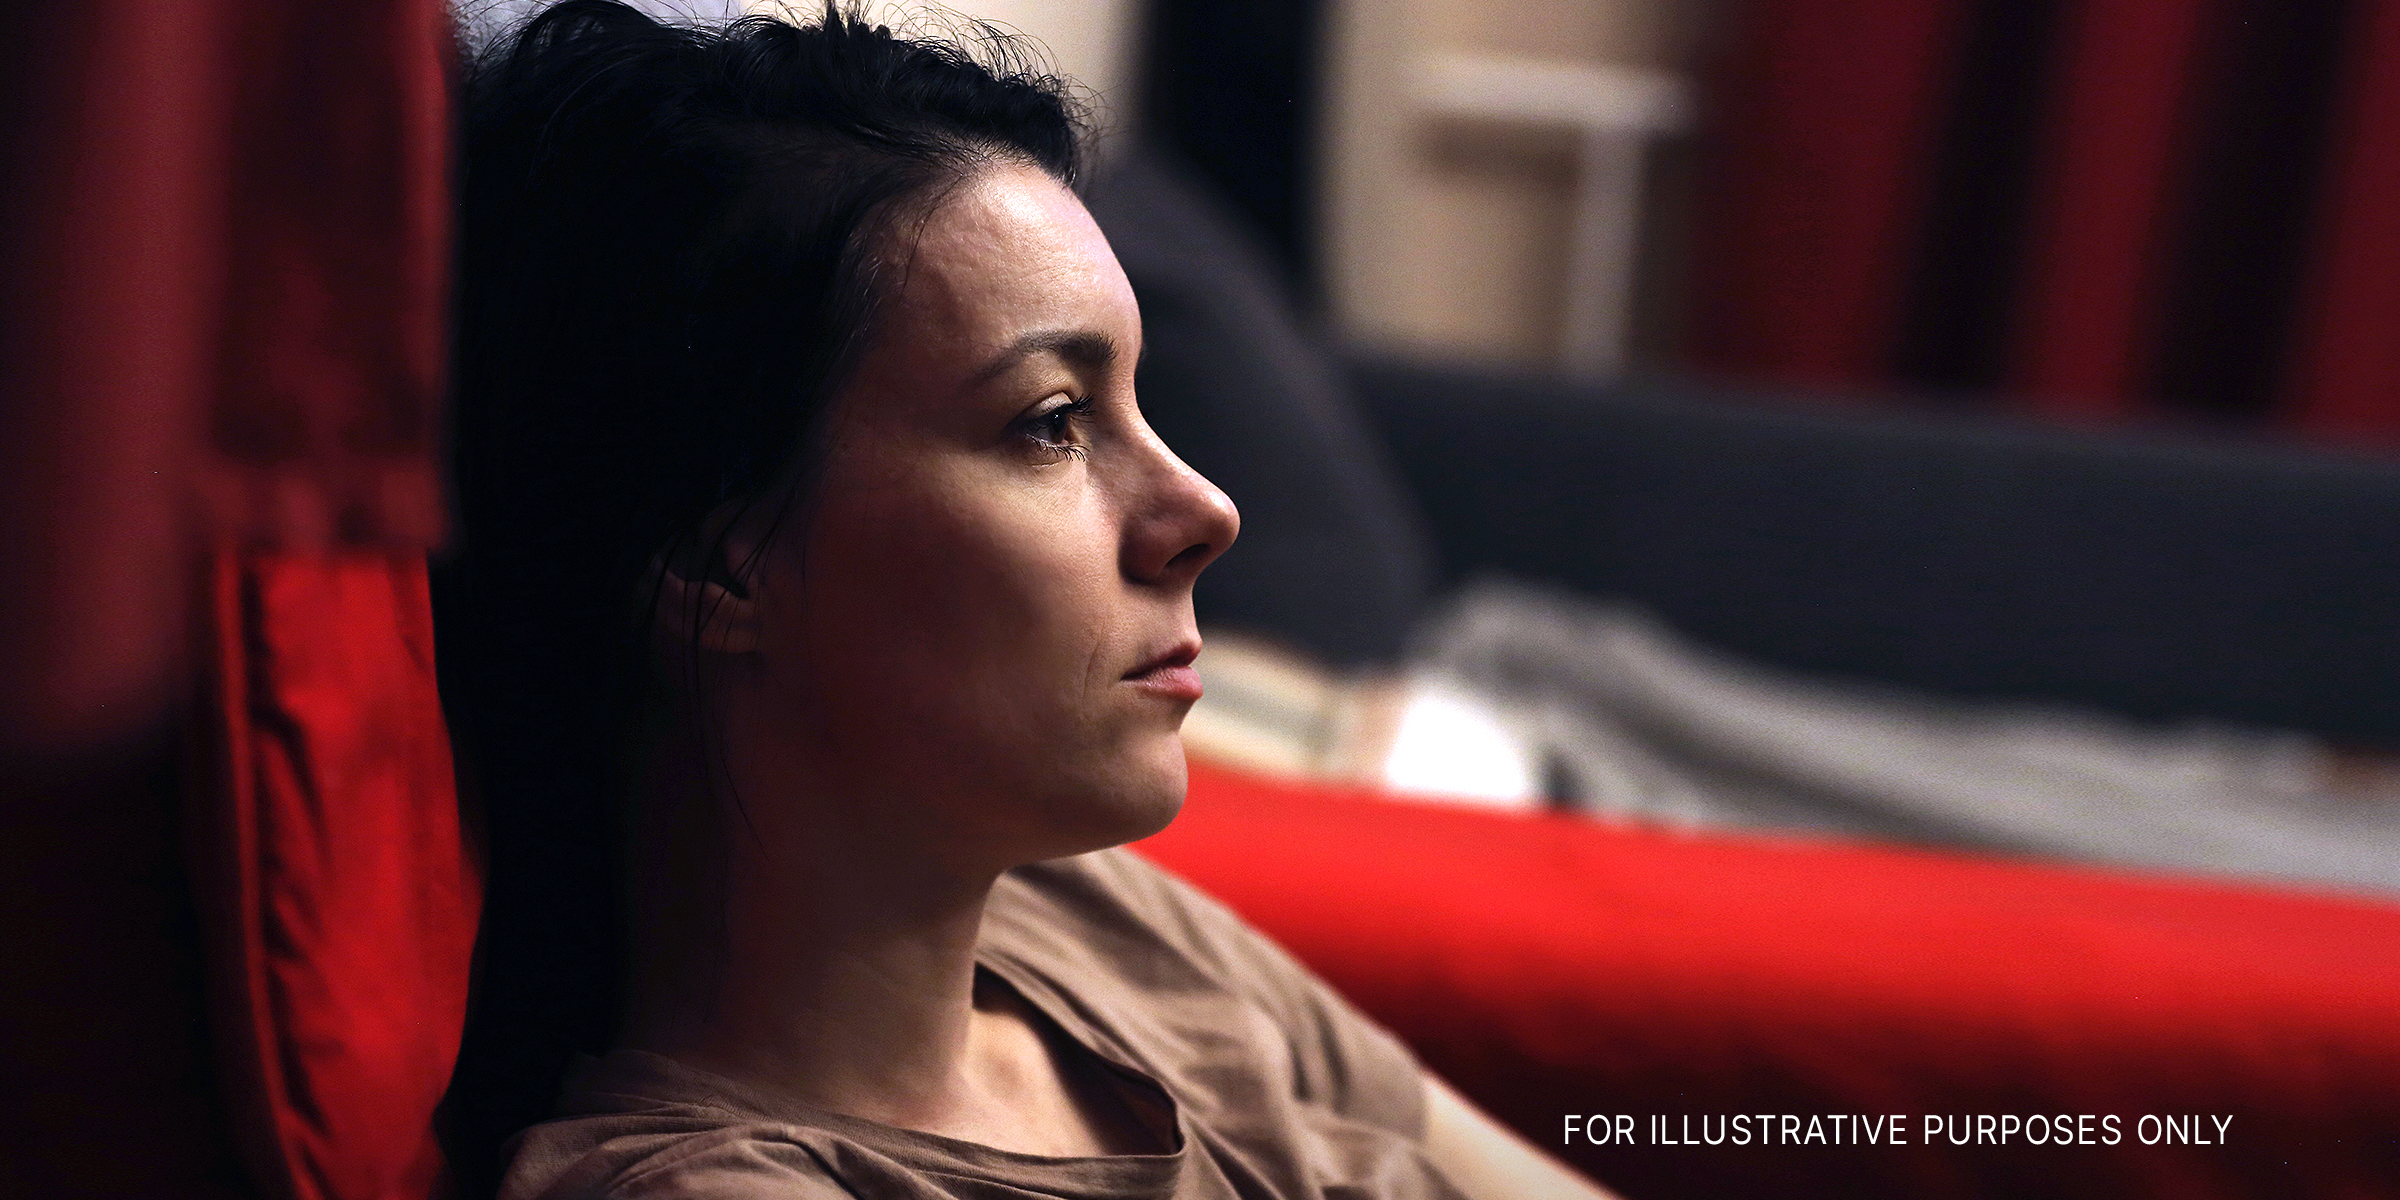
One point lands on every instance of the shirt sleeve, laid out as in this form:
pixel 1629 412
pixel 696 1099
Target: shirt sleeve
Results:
pixel 1342 1059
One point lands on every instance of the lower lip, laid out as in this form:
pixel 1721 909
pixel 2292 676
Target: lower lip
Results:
pixel 1176 683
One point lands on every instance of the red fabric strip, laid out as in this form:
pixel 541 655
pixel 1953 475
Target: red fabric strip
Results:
pixel 338 897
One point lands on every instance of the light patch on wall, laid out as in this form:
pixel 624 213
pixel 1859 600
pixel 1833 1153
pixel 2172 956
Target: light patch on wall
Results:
pixel 1089 42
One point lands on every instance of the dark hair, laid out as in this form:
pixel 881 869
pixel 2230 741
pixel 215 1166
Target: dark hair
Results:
pixel 672 247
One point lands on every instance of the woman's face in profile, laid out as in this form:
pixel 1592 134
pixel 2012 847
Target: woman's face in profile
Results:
pixel 983 628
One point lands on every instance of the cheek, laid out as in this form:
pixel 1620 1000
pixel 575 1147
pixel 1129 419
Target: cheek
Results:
pixel 967 648
pixel 989 610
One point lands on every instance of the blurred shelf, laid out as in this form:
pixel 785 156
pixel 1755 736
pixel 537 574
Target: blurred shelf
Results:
pixel 1616 112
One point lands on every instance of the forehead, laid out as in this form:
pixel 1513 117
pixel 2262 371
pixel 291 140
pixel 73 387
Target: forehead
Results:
pixel 1009 252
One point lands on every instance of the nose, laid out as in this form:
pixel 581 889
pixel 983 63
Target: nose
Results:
pixel 1182 523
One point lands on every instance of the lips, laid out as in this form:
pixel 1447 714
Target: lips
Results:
pixel 1170 674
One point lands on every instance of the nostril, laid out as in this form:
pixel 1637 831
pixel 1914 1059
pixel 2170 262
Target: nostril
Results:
pixel 1191 557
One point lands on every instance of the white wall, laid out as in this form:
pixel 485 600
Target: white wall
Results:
pixel 1451 238
pixel 1092 42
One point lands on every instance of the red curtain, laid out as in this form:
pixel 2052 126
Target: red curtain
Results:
pixel 2095 208
pixel 237 928
pixel 1825 122
pixel 2346 382
pixel 2101 204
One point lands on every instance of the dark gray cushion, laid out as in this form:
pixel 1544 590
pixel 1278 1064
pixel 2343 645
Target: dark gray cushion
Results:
pixel 2157 575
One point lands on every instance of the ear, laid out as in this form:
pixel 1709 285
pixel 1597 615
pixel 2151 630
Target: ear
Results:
pixel 703 602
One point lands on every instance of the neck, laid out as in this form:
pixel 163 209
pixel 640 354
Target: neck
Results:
pixel 772 948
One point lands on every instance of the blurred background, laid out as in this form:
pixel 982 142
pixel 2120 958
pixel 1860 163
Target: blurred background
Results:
pixel 2177 209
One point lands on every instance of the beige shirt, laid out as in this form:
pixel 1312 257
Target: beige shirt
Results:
pixel 1271 1086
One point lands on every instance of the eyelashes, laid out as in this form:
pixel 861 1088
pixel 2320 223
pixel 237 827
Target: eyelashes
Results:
pixel 1056 428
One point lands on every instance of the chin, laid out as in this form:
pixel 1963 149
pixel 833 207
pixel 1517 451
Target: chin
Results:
pixel 1123 801
pixel 1158 796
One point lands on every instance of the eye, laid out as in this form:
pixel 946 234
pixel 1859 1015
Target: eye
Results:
pixel 1053 426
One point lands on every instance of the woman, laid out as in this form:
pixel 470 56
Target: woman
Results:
pixel 823 616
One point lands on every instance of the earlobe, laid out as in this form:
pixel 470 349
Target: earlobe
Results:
pixel 714 612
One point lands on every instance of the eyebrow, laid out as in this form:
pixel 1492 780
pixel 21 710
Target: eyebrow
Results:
pixel 1079 347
